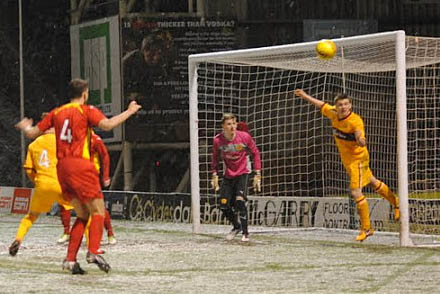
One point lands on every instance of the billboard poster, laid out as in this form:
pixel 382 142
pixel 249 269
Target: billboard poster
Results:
pixel 155 70
pixel 316 29
pixel 15 199
pixel 95 50
pixel 298 212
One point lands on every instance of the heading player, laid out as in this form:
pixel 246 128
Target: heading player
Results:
pixel 77 175
pixel 349 134
pixel 233 147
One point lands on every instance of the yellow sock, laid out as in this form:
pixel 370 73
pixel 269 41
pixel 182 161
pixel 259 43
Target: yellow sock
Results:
pixel 364 213
pixel 86 231
pixel 26 223
pixel 383 190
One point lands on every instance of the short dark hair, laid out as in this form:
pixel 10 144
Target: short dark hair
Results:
pixel 76 88
pixel 341 97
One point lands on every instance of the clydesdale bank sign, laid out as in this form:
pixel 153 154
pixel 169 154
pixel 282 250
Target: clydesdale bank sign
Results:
pixel 268 211
pixel 299 212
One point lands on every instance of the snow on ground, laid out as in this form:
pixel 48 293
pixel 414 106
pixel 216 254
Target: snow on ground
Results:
pixel 168 258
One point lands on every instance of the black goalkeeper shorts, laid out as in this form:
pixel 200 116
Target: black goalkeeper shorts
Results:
pixel 231 188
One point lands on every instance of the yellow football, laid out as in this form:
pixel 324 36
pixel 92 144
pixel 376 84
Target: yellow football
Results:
pixel 326 49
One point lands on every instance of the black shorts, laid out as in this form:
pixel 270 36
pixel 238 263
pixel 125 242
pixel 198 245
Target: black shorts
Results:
pixel 233 187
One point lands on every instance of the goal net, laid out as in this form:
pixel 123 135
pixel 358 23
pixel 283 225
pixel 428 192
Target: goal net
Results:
pixel 394 81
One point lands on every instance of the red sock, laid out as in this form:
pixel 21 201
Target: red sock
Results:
pixel 65 219
pixel 108 224
pixel 76 236
pixel 95 233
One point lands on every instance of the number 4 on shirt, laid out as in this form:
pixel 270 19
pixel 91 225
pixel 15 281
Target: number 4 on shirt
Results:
pixel 44 159
pixel 66 132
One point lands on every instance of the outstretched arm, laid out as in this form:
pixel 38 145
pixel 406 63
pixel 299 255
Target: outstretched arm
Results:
pixel 26 126
pixel 300 92
pixel 110 123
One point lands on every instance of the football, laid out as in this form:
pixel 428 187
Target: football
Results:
pixel 326 49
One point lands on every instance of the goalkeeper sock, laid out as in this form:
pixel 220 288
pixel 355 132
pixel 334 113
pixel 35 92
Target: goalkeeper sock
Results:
pixel 242 210
pixel 26 223
pixel 364 212
pixel 95 233
pixel 108 224
pixel 383 190
pixel 231 217
pixel 76 236
pixel 65 219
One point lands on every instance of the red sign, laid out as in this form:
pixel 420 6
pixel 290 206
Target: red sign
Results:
pixel 21 201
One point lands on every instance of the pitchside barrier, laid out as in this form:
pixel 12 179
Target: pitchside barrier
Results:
pixel 299 212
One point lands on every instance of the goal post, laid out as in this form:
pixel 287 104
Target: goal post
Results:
pixel 394 81
pixel 194 147
pixel 402 139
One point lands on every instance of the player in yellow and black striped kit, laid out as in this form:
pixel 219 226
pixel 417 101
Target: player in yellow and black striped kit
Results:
pixel 349 134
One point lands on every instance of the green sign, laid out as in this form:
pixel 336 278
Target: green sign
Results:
pixel 95 62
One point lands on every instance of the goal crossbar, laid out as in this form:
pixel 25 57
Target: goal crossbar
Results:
pixel 301 56
pixel 255 84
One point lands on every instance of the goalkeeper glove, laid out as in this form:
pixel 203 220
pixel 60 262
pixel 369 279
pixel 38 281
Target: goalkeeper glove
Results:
pixel 214 182
pixel 257 182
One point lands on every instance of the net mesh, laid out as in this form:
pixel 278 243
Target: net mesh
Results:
pixel 299 157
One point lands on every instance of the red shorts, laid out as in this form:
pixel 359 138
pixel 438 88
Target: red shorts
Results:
pixel 78 178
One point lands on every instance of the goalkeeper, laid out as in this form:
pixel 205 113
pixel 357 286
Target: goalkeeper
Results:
pixel 233 147
pixel 349 134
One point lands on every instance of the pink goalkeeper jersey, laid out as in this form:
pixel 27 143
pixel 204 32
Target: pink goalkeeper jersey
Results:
pixel 234 154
